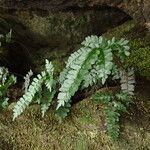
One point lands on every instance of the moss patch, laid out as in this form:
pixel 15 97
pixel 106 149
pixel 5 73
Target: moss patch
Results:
pixel 140 59
pixel 139 43
pixel 83 129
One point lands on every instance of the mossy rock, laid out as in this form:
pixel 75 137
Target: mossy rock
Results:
pixel 140 59
pixel 139 43
pixel 83 129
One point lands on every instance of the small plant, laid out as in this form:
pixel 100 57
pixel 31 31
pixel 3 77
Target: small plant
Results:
pixel 6 80
pixel 95 61
pixel 27 80
pixel 114 106
pixel 117 103
pixel 41 90
pixel 7 37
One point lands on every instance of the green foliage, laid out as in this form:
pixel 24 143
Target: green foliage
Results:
pixel 114 106
pixel 33 92
pixel 6 38
pixel 27 80
pixel 93 62
pixel 104 98
pixel 62 112
pixel 127 79
pixel 75 74
pixel 6 80
pixel 112 119
pixel 118 103
pixel 96 61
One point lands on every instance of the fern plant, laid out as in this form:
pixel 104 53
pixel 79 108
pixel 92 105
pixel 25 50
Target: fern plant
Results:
pixel 27 79
pixel 114 106
pixel 6 38
pixel 43 81
pixel 96 61
pixel 6 80
pixel 93 62
pixel 118 103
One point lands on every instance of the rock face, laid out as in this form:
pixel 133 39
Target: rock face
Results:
pixel 53 29
pixel 138 9
pixel 53 33
pixel 146 12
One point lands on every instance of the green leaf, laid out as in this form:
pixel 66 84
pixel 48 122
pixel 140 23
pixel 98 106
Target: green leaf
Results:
pixel 102 97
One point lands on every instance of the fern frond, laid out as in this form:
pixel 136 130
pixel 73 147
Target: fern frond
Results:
pixel 114 105
pixel 112 119
pixel 48 96
pixel 73 57
pixel 92 77
pixel 102 69
pixel 127 81
pixel 49 79
pixel 27 98
pixel 75 75
pixel 3 75
pixel 6 80
pixel 81 68
pixel 93 41
pixel 63 111
pixel 124 98
pixel 106 64
pixel 50 85
pixel 102 97
pixel 45 78
pixel 122 48
pixel 27 80
pixel 9 36
pixel 115 72
pixel 4 102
